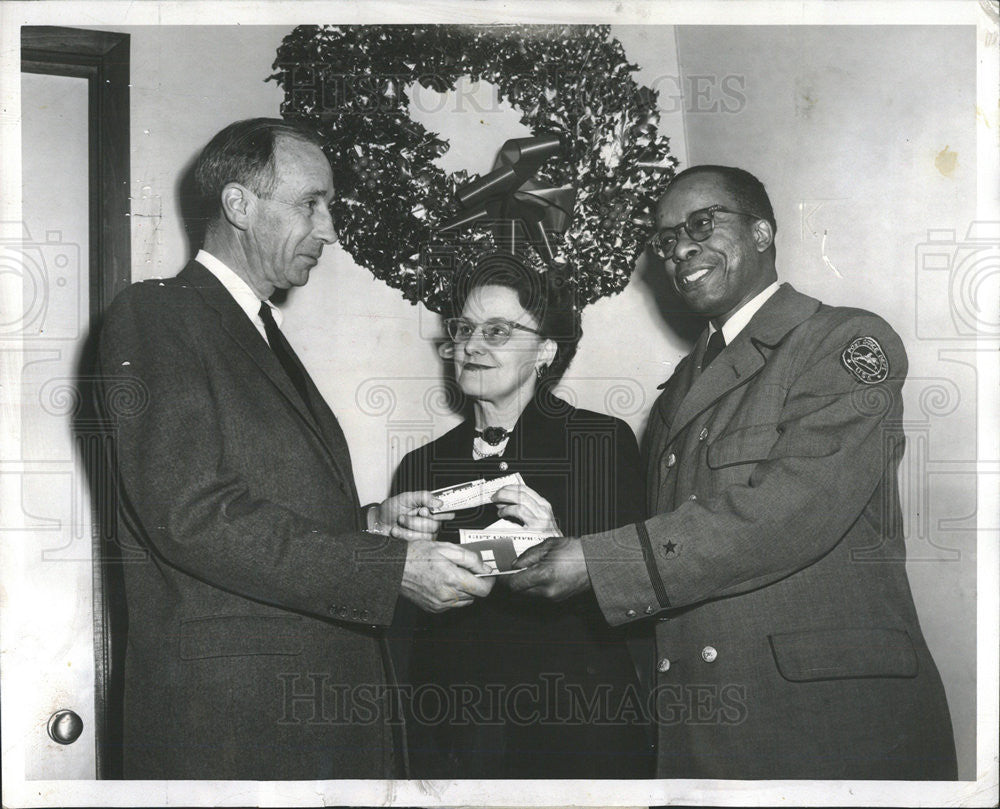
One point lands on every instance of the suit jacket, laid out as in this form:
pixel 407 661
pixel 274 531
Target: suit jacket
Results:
pixel 787 641
pixel 254 647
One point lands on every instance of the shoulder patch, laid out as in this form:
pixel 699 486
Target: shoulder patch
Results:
pixel 866 360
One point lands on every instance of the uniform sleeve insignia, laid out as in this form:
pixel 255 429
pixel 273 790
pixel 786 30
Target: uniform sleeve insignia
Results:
pixel 865 359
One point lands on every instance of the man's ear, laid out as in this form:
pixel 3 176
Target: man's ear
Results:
pixel 237 204
pixel 763 235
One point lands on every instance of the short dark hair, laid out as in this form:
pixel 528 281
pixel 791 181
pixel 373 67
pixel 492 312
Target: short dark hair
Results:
pixel 747 190
pixel 548 297
pixel 243 153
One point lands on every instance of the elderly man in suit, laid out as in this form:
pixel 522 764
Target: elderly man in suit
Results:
pixel 772 570
pixel 255 644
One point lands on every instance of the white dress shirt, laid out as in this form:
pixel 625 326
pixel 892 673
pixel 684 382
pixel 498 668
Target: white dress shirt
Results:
pixel 241 291
pixel 739 320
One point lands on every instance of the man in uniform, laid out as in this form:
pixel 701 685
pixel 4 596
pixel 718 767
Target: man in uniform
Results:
pixel 255 641
pixel 772 569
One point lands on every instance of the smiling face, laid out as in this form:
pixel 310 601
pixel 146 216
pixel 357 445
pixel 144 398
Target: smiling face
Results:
pixel 502 375
pixel 717 276
pixel 289 227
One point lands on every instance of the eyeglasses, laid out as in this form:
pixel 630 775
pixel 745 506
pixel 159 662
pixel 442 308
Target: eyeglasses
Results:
pixel 698 226
pixel 496 332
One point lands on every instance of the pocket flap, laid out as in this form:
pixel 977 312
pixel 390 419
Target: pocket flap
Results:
pixel 236 635
pixel 835 654
pixel 746 445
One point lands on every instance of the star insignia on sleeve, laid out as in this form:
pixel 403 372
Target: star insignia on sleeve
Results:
pixel 670 549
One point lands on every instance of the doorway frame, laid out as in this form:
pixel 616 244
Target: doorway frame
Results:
pixel 103 58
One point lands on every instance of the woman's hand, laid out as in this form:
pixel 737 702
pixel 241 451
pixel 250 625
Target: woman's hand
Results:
pixel 408 516
pixel 528 507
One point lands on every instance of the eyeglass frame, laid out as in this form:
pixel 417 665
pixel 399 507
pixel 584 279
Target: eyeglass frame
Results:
pixel 653 241
pixel 479 327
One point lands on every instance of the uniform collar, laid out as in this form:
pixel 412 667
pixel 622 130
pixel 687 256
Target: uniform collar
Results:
pixel 782 312
pixel 732 327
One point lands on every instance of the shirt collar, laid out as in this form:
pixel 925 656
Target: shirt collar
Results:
pixel 739 320
pixel 241 291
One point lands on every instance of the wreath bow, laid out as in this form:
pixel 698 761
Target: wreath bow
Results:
pixel 509 196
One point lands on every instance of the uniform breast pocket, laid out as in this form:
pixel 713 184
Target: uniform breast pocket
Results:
pixel 746 445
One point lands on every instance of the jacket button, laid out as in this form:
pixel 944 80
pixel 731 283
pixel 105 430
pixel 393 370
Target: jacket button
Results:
pixel 332 609
pixel 630 613
pixel 663 665
pixel 650 610
pixel 671 460
pixel 703 434
pixel 503 466
pixel 708 654
pixel 692 497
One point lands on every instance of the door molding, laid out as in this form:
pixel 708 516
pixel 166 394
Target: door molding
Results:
pixel 102 58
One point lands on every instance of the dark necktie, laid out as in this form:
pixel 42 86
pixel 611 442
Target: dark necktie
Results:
pixel 715 345
pixel 283 351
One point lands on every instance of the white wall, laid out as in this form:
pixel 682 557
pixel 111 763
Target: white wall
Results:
pixel 865 140
pixel 187 83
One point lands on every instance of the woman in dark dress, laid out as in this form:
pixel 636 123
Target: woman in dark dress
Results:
pixel 511 687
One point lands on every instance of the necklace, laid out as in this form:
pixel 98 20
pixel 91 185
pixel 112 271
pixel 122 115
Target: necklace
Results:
pixel 494 436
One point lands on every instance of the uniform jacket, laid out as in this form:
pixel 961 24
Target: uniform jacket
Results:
pixel 254 647
pixel 773 568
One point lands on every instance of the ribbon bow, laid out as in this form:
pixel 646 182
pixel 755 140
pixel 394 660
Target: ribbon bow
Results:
pixel 509 196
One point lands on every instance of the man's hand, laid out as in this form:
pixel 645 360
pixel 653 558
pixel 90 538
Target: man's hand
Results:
pixel 408 516
pixel 439 576
pixel 555 569
pixel 527 506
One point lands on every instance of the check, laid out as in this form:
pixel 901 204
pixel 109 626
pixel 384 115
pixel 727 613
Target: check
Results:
pixel 499 549
pixel 473 493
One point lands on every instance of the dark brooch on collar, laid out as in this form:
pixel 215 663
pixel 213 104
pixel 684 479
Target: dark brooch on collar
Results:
pixel 494 436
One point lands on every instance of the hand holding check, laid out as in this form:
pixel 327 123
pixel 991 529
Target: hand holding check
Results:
pixel 410 516
pixel 555 569
pixel 439 576
pixel 519 501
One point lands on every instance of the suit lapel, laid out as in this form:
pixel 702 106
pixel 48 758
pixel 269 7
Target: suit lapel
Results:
pixel 235 322
pixel 335 440
pixel 743 359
